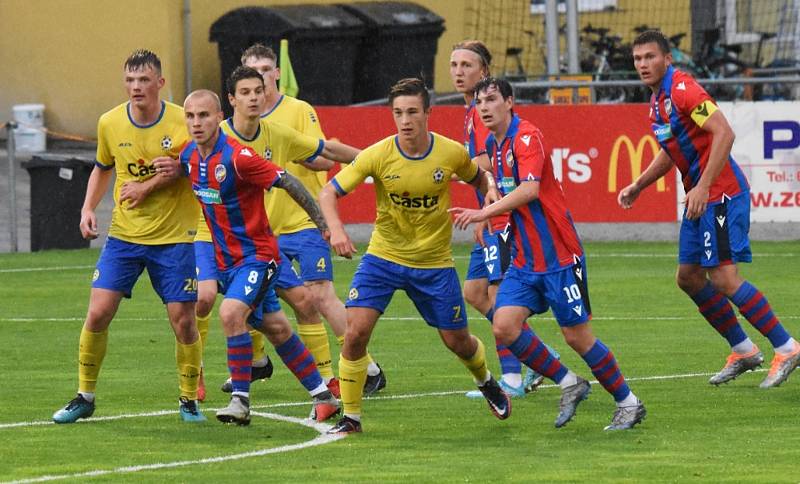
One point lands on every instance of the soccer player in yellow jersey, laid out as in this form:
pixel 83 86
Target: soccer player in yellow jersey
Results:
pixel 152 227
pixel 311 292
pixel 410 245
pixel 283 146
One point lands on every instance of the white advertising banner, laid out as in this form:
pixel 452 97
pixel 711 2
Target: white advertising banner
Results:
pixel 767 148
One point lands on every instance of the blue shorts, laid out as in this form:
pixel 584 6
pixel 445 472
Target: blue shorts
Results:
pixel 436 293
pixel 492 261
pixel 719 236
pixel 170 266
pixel 253 283
pixel 206 261
pixel 311 251
pixel 565 292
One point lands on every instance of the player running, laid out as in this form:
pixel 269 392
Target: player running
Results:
pixel 410 245
pixel 695 136
pixel 549 268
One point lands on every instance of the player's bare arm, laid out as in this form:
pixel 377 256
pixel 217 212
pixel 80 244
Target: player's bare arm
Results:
pixel 319 164
pixel 303 198
pixel 721 144
pixel 339 238
pixel 526 192
pixel 338 151
pixel 660 166
pixel 96 188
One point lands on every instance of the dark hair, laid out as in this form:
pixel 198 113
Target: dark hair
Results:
pixel 501 85
pixel 142 58
pixel 410 86
pixel 478 48
pixel 259 51
pixel 238 74
pixel 656 36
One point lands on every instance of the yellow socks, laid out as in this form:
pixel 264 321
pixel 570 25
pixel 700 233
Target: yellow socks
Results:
pixel 188 358
pixel 315 337
pixel 91 351
pixel 476 364
pixel 202 328
pixel 340 340
pixel 258 345
pixel 352 375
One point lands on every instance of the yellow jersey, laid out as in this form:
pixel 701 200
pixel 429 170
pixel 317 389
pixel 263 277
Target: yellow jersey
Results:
pixel 275 142
pixel 285 215
pixel 413 227
pixel 166 216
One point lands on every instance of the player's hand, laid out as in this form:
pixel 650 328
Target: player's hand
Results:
pixel 628 195
pixel 466 216
pixel 696 201
pixel 342 245
pixel 132 192
pixel 478 232
pixel 88 224
pixel 166 166
pixel 492 195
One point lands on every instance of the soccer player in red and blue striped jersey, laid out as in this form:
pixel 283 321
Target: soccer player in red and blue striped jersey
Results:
pixel 549 269
pixel 695 136
pixel 229 180
pixel 470 62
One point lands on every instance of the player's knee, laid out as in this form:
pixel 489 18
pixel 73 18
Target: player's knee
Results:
pixel 99 316
pixel 690 282
pixel 725 283
pixel 302 304
pixel 473 295
pixel 204 305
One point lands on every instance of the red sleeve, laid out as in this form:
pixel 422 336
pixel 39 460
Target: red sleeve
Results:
pixel 530 155
pixel 687 94
pixel 481 134
pixel 255 169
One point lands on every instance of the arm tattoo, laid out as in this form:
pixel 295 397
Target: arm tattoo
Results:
pixel 303 198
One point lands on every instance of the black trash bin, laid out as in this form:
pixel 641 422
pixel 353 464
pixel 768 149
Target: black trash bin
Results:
pixel 323 43
pixel 400 41
pixel 58 186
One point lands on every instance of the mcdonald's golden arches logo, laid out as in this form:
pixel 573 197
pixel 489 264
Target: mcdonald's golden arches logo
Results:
pixel 635 157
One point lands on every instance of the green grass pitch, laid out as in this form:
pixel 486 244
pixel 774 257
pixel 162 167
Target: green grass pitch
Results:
pixel 421 428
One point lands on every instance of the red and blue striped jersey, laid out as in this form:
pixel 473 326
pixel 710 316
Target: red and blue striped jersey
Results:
pixel 230 186
pixel 545 239
pixel 677 114
pixel 475 135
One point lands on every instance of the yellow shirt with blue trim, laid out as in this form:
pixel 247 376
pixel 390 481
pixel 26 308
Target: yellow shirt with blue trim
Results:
pixel 275 142
pixel 166 216
pixel 285 215
pixel 413 227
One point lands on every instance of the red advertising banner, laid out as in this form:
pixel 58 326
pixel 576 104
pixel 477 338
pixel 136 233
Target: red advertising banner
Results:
pixel 596 151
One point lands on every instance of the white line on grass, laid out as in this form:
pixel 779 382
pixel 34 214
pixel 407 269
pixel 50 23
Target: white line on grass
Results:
pixel 38 269
pixel 321 439
pixel 625 255
pixel 392 318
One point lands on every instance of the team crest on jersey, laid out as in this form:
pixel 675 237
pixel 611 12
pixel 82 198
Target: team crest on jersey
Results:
pixel 470 127
pixel 353 295
pixel 509 158
pixel 438 175
pixel 220 172
pixel 96 275
pixel 268 154
pixel 166 143
pixel 668 106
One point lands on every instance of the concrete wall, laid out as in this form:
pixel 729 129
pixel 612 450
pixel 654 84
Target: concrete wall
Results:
pixel 68 54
